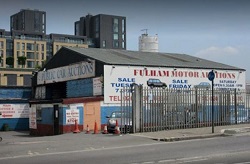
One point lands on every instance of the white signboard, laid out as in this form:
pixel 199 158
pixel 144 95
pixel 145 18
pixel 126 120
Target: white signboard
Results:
pixel 32 118
pixel 71 72
pixel 97 86
pixel 14 110
pixel 72 114
pixel 117 77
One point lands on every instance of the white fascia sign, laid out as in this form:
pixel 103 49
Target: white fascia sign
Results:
pixel 117 77
pixel 70 72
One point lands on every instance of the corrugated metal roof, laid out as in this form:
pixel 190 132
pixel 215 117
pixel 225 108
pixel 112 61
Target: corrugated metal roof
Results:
pixel 126 57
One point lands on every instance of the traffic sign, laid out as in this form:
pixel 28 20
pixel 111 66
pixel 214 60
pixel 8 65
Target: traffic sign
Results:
pixel 211 75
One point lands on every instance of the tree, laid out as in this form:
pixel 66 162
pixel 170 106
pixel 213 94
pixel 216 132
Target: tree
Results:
pixel 10 61
pixel 38 67
pixel 21 60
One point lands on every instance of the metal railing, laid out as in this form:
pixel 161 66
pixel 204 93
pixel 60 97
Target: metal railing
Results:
pixel 165 109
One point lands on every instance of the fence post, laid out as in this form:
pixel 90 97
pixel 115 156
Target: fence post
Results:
pixel 136 107
pixel 235 106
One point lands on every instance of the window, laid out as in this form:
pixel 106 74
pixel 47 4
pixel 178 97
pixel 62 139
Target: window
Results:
pixel 97 35
pixel 36 47
pixel 43 27
pixel 115 25
pixel 43 56
pixel 30 64
pixel 12 22
pixel 27 80
pixel 11 80
pixel 23 46
pixel 123 37
pixel 104 43
pixel 123 45
pixel 115 44
pixel 36 22
pixel 42 47
pixel 77 29
pixel 40 92
pixel 18 46
pixel 115 36
pixel 97 24
pixel 123 25
pixel 30 47
pixel 1 45
pixel 30 55
pixel 43 19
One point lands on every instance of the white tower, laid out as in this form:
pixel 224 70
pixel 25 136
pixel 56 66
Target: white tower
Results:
pixel 148 43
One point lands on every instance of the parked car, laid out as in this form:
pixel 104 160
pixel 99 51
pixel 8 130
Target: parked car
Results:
pixel 156 83
pixel 205 85
pixel 124 120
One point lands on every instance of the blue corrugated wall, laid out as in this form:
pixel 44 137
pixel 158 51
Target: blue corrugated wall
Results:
pixel 7 93
pixel 47 116
pixel 15 123
pixel 80 88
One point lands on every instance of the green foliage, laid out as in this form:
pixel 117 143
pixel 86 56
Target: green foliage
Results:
pixel 10 61
pixel 21 60
pixel 38 67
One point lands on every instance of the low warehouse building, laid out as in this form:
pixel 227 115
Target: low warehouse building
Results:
pixel 84 84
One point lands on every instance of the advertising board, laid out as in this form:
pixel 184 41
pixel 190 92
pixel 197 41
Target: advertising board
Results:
pixel 71 72
pixel 72 114
pixel 118 77
pixel 14 110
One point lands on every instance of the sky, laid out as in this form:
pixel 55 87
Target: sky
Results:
pixel 217 30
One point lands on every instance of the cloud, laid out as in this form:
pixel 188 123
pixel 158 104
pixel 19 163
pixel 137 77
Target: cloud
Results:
pixel 215 53
pixel 234 56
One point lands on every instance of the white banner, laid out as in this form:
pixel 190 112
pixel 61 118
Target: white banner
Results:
pixel 14 110
pixel 117 77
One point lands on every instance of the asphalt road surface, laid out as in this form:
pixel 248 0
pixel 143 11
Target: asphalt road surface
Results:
pixel 222 150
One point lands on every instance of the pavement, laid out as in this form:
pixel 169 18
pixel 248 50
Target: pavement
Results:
pixel 18 144
pixel 196 133
pixel 166 135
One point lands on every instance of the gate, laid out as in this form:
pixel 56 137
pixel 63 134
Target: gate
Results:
pixel 156 109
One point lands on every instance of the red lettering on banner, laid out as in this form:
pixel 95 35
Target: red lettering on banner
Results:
pixel 118 98
pixel 146 72
pixel 185 74
pixel 225 75
pixel 177 73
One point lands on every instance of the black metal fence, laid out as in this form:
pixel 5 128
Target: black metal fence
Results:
pixel 159 109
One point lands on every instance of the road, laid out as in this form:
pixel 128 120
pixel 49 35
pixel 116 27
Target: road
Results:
pixel 133 150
